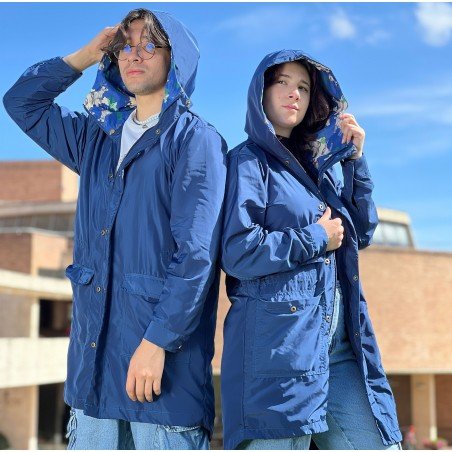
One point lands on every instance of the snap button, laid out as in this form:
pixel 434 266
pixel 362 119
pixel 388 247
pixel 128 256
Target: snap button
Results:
pixel 327 261
pixel 293 308
pixel 98 289
pixel 356 334
pixel 110 176
pixel 93 345
pixel 188 102
pixel 286 162
pixel 104 232
pixel 321 206
pixel 327 318
pixel 112 131
pixel 355 278
pixel 157 132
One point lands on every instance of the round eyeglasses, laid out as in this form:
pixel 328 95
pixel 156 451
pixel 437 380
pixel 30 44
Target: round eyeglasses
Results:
pixel 145 50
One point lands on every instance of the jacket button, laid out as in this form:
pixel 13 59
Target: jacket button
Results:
pixel 355 278
pixel 112 131
pixel 98 289
pixel 110 176
pixel 157 132
pixel 293 309
pixel 327 261
pixel 93 345
pixel 188 102
pixel 104 232
pixel 322 206
pixel 357 334
pixel 328 318
pixel 286 162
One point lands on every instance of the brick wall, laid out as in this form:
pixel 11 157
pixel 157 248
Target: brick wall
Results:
pixel 37 181
pixel 15 252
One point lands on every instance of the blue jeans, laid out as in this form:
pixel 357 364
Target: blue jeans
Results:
pixel 89 433
pixel 351 424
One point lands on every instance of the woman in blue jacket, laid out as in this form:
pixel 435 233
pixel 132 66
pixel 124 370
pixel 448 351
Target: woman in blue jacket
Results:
pixel 300 358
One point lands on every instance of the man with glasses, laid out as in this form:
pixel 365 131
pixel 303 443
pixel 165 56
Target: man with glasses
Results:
pixel 145 276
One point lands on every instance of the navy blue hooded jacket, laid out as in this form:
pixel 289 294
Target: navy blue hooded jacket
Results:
pixel 146 238
pixel 281 280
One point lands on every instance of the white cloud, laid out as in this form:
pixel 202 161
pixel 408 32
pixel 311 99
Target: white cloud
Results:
pixel 376 36
pixel 260 24
pixel 341 26
pixel 435 20
pixel 427 103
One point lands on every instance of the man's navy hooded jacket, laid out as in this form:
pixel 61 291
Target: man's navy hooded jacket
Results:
pixel 146 238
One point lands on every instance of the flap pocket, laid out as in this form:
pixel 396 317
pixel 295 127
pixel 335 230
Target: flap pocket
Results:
pixel 146 285
pixel 79 274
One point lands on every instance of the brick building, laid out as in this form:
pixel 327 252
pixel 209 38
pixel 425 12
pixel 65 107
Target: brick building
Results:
pixel 406 289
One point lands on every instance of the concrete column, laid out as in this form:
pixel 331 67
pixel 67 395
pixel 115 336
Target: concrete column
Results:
pixel 34 317
pixel 19 416
pixel 423 403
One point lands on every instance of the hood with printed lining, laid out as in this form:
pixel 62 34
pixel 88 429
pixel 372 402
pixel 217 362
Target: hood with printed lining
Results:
pixel 327 148
pixel 109 101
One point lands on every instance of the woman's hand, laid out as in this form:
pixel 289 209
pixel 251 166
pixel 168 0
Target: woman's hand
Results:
pixel 352 131
pixel 334 230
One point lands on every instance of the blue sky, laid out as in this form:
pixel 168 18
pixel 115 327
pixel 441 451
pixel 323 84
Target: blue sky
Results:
pixel 393 61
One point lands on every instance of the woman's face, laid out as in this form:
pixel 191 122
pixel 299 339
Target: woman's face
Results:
pixel 287 99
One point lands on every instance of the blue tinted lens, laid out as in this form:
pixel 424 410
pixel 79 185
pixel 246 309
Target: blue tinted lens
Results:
pixel 149 47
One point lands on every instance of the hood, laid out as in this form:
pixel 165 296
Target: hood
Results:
pixel 326 149
pixel 111 103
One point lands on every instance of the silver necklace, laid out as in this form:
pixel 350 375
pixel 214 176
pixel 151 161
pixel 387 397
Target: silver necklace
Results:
pixel 145 123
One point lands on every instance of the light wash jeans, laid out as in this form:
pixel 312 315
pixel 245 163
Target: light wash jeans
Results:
pixel 351 424
pixel 88 433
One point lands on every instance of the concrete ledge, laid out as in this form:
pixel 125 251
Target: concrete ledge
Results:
pixel 16 283
pixel 29 362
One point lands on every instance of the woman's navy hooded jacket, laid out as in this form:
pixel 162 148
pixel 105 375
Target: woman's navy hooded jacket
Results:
pixel 146 238
pixel 281 280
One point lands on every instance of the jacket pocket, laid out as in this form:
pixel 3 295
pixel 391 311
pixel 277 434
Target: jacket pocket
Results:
pixel 288 337
pixel 150 287
pixel 79 274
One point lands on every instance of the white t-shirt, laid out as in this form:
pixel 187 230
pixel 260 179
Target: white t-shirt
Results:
pixel 131 132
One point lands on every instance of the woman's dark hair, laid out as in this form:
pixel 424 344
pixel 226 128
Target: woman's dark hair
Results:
pixel 152 29
pixel 320 105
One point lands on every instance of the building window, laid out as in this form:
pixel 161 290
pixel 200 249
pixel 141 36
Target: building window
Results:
pixel 393 234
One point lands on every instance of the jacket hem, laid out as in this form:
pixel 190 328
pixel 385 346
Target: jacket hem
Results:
pixel 231 442
pixel 170 418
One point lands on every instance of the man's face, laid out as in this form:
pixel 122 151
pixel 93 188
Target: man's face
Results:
pixel 144 77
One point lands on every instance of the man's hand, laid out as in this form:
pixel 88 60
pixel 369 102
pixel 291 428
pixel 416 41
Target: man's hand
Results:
pixel 145 372
pixel 334 230
pixel 91 53
pixel 352 131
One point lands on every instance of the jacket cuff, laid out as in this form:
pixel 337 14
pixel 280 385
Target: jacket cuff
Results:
pixel 57 68
pixel 357 168
pixel 319 238
pixel 164 338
